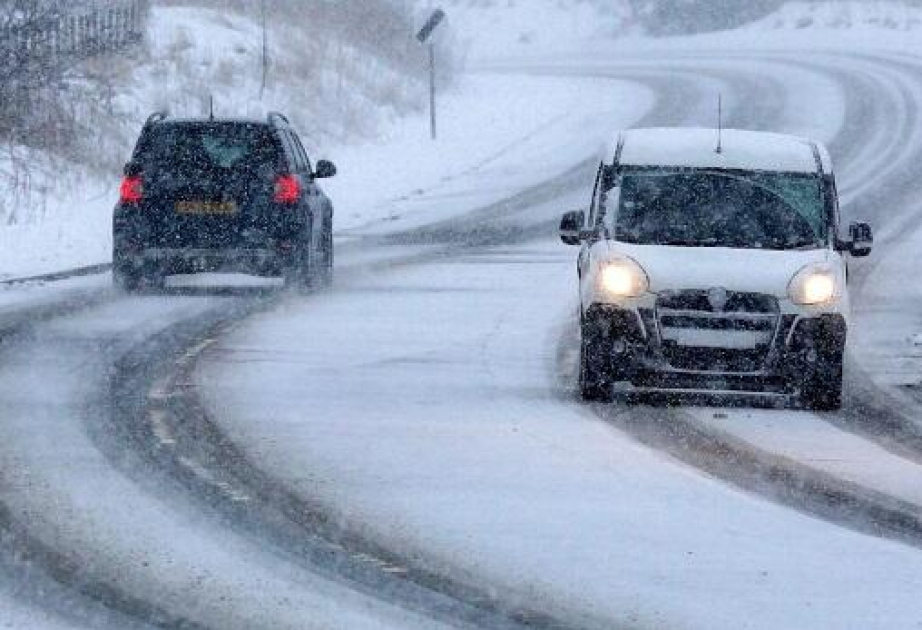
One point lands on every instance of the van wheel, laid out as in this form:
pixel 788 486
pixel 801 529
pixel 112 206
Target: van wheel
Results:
pixel 595 382
pixel 822 390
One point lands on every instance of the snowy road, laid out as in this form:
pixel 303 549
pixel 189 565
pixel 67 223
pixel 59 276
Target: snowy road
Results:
pixel 407 451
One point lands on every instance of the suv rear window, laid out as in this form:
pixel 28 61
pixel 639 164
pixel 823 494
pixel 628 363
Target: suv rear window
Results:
pixel 184 147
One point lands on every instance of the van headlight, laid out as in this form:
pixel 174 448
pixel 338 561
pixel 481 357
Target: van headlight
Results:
pixel 623 278
pixel 814 285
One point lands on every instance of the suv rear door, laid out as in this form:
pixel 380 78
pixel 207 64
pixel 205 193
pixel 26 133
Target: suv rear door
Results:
pixel 208 184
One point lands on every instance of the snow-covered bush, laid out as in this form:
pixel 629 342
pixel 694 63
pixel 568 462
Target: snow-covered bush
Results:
pixel 674 17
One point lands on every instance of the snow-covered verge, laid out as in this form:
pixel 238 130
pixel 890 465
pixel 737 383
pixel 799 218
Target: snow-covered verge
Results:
pixel 486 28
pixel 499 133
pixel 22 616
pixel 880 14
pixel 890 317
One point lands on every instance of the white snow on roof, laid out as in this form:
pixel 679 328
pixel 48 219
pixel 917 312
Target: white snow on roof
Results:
pixel 697 148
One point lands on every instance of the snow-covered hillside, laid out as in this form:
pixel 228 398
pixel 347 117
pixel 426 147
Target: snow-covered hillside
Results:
pixel 886 14
pixel 490 28
pixel 55 206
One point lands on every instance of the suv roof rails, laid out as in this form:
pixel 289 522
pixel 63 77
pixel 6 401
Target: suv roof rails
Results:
pixel 821 171
pixel 155 118
pixel 276 119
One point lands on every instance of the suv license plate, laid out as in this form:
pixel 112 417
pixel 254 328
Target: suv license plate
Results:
pixel 206 207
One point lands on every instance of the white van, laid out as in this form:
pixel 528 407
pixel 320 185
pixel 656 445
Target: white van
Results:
pixel 713 262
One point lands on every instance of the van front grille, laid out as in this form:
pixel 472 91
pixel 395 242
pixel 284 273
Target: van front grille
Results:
pixel 729 332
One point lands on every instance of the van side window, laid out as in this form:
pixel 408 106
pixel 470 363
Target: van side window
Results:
pixel 610 202
pixel 608 197
pixel 592 220
pixel 832 201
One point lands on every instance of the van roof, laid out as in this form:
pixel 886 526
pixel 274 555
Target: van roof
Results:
pixel 697 148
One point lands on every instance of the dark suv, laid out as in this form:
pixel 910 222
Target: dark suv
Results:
pixel 222 195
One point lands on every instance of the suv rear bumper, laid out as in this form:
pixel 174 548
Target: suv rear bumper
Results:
pixel 165 261
pixel 642 359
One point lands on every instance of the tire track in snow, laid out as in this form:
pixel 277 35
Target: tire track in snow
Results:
pixel 199 454
pixel 184 443
pixel 114 595
pixel 456 240
pixel 209 472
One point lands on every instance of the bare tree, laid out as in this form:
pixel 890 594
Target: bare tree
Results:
pixel 42 43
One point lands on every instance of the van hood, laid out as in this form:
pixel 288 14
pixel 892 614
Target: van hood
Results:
pixel 701 268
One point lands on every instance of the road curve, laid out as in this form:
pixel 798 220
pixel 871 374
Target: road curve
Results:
pixel 872 158
pixel 151 432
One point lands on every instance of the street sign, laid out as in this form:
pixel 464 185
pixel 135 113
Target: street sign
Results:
pixel 432 24
pixel 424 36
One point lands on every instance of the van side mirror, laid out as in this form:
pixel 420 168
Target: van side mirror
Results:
pixel 571 227
pixel 860 240
pixel 325 169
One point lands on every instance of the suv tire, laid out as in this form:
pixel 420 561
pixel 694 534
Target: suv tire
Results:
pixel 299 274
pixel 595 382
pixel 126 280
pixel 154 281
pixel 327 255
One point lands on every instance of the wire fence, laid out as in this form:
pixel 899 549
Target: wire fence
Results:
pixel 81 29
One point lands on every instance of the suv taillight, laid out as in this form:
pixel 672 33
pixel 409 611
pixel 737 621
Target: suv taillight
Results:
pixel 287 189
pixel 132 190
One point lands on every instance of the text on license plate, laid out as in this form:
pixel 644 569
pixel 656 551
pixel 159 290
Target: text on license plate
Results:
pixel 206 207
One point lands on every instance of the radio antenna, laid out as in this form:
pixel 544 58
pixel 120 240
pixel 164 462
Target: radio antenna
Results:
pixel 211 107
pixel 720 123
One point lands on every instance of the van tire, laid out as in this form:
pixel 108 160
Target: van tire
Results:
pixel 595 382
pixel 822 390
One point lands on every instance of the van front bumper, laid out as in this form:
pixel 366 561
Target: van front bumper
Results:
pixel 764 353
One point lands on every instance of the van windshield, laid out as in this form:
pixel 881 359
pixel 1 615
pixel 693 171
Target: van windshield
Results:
pixel 720 209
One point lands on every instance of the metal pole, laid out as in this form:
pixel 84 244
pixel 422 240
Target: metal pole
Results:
pixel 265 61
pixel 432 87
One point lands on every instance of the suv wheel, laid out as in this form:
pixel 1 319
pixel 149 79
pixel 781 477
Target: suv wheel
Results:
pixel 300 271
pixel 126 280
pixel 595 382
pixel 154 280
pixel 327 255
pixel 822 389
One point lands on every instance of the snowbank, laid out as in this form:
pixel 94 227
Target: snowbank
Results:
pixel 882 14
